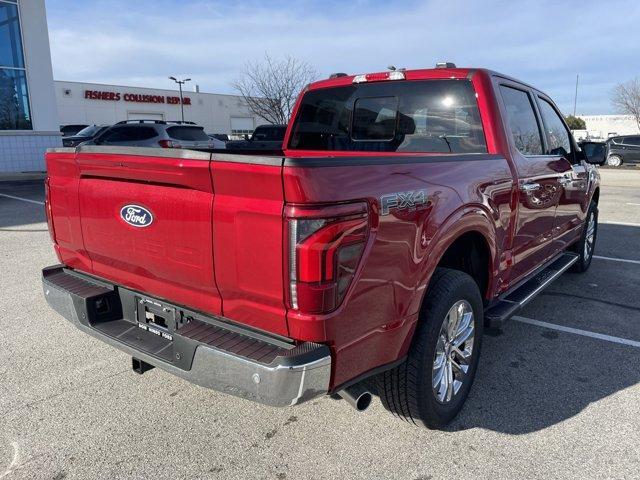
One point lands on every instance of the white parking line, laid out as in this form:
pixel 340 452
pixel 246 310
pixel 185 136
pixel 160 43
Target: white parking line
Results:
pixel 627 224
pixel 613 259
pixel 634 204
pixel 577 331
pixel 14 460
pixel 22 199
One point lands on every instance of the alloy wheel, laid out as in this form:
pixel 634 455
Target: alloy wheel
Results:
pixel 614 161
pixel 453 351
pixel 590 237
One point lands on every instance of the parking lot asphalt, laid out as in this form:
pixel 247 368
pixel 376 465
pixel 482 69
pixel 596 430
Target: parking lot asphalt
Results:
pixel 547 403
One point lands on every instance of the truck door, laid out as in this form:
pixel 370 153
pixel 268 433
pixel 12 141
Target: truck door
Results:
pixel 573 176
pixel 538 182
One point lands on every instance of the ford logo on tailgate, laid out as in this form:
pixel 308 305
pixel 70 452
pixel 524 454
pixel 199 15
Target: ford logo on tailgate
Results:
pixel 136 216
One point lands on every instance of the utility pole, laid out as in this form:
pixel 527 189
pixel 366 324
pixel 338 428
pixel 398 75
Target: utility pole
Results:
pixel 180 83
pixel 575 97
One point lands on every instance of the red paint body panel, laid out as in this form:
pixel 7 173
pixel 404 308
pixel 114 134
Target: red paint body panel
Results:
pixel 219 241
pixel 248 243
pixel 173 257
pixel 64 178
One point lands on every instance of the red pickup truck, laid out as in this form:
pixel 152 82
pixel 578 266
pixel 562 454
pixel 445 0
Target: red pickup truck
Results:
pixel 408 211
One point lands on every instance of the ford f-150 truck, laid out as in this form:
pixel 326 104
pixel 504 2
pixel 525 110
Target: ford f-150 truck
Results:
pixel 408 211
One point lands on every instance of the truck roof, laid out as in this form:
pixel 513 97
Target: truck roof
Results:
pixel 457 73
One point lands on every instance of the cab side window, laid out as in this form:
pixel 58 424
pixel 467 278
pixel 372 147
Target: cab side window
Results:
pixel 558 141
pixel 522 121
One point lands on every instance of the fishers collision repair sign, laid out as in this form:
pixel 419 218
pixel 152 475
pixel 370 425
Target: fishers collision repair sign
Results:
pixel 134 97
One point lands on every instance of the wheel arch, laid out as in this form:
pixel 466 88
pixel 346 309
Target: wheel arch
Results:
pixel 470 231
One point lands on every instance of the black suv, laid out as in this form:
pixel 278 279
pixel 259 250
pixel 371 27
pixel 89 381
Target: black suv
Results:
pixel 265 138
pixel 623 149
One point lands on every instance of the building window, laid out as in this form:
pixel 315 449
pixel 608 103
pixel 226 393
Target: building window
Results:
pixel 14 99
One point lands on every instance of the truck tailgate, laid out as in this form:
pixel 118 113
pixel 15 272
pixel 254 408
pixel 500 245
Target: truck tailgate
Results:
pixel 172 255
pixel 176 224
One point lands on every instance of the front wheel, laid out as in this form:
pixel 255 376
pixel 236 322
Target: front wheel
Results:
pixel 431 386
pixel 587 243
pixel 614 160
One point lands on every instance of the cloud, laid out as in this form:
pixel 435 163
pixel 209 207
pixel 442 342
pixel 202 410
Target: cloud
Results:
pixel 544 43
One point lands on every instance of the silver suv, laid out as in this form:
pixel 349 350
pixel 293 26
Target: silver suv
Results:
pixel 153 133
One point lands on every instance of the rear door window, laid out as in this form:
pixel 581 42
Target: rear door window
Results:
pixel 113 135
pixel 558 142
pixel 431 116
pixel 522 121
pixel 134 134
pixel 128 134
pixel 195 134
pixel 633 141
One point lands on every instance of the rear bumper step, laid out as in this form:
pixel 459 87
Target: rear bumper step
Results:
pixel 199 348
pixel 514 300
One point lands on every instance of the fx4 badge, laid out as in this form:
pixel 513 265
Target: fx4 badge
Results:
pixel 402 200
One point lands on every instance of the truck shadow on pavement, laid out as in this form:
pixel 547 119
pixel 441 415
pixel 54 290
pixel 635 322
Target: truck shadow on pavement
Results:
pixel 531 378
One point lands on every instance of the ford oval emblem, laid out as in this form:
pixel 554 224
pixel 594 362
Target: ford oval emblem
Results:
pixel 136 216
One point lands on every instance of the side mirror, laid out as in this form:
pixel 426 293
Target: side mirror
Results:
pixel 594 152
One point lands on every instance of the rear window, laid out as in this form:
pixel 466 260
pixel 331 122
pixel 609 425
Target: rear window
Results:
pixel 274 134
pixel 439 116
pixel 187 133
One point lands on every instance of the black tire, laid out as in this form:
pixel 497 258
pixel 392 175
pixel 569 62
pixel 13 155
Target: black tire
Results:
pixel 586 255
pixel 406 390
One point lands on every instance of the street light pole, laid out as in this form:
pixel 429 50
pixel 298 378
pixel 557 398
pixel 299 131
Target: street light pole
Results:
pixel 180 83
pixel 575 97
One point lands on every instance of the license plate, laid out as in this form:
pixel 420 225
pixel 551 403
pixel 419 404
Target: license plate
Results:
pixel 151 328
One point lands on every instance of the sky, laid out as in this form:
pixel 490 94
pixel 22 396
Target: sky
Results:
pixel 544 43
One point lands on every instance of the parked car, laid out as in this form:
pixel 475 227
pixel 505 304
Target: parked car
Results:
pixel 218 142
pixel 623 149
pixel 83 135
pixel 264 137
pixel 153 133
pixel 68 130
pixel 409 210
pixel 220 136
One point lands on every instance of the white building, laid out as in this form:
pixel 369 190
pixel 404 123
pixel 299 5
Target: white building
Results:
pixel 93 103
pixel 28 117
pixel 605 126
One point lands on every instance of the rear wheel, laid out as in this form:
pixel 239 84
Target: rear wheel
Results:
pixel 614 160
pixel 431 386
pixel 587 243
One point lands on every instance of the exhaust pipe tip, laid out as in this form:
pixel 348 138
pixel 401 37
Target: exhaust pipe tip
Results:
pixel 357 396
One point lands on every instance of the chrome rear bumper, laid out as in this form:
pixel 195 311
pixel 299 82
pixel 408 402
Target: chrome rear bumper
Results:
pixel 203 350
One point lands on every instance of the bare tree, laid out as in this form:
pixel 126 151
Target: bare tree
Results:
pixel 626 98
pixel 270 87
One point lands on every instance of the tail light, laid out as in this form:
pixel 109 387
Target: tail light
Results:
pixel 168 144
pixel 325 245
pixel 47 209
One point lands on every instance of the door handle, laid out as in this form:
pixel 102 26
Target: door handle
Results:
pixel 564 181
pixel 530 187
